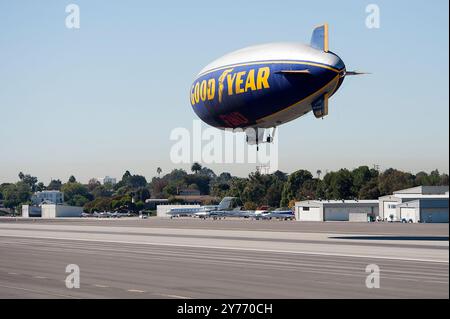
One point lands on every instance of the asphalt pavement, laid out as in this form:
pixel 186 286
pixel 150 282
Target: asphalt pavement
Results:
pixel 187 258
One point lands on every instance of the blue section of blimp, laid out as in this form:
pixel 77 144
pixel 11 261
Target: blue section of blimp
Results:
pixel 286 89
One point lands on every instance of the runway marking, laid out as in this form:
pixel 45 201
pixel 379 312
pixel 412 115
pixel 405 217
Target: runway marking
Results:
pixel 136 290
pixel 236 248
pixel 101 286
pixel 12 273
pixel 40 277
pixel 39 291
pixel 173 296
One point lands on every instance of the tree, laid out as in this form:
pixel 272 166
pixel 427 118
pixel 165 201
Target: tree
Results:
pixel 196 167
pixel 98 205
pixel 16 194
pixel 170 190
pixel 136 181
pixel 282 176
pixel 71 190
pixel 273 193
pixel 370 190
pixel 202 182
pixel 293 184
pixel 29 180
pixel 100 191
pixel 54 185
pixel 361 176
pixel 393 180
pixel 125 176
pixel 72 179
pixel 250 206
pixel 207 172
pixel 224 177
pixel 338 185
pixel 93 184
pixel 159 171
pixel 308 190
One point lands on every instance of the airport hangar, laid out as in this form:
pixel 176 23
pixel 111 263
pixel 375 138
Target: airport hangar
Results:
pixel 428 204
pixel 51 210
pixel 336 210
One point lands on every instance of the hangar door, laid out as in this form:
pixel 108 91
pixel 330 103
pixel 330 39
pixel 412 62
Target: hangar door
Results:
pixel 336 214
pixel 408 213
pixel 310 214
pixel 434 215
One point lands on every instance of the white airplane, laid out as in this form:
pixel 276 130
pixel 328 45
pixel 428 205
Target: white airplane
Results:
pixel 203 211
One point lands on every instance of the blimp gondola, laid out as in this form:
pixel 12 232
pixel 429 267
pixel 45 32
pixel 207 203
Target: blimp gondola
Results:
pixel 264 86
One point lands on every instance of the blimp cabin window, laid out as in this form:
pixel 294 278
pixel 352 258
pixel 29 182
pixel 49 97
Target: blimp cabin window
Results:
pixel 305 209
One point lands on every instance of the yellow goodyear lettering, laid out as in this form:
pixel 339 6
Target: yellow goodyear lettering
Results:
pixel 221 80
pixel 230 81
pixel 263 78
pixel 197 92
pixel 239 82
pixel 211 89
pixel 203 90
pixel 192 95
pixel 250 82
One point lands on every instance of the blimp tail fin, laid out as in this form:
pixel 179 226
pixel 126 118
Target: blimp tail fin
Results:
pixel 320 106
pixel 319 39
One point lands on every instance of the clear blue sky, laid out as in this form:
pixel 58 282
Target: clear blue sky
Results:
pixel 104 98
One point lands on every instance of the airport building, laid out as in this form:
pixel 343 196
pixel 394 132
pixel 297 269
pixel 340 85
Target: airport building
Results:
pixel 336 210
pixel 51 211
pixel 31 211
pixel 427 204
pixel 107 180
pixel 54 211
pixel 53 196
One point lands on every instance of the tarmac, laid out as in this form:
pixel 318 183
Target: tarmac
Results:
pixel 193 258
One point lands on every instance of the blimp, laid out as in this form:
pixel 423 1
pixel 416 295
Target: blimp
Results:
pixel 264 86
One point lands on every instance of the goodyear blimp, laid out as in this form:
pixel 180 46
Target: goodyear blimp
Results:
pixel 264 86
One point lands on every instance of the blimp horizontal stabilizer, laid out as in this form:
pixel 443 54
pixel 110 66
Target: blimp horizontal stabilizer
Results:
pixel 319 39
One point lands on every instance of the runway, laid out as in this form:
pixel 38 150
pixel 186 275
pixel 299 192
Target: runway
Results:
pixel 188 258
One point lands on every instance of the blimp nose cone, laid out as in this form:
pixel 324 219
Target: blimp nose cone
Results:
pixel 335 61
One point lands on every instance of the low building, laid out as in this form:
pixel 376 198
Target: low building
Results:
pixel 336 210
pixel 389 206
pixel 53 196
pixel 425 210
pixel 162 210
pixel 31 211
pixel 54 211
pixel 189 192
pixel 152 203
pixel 107 180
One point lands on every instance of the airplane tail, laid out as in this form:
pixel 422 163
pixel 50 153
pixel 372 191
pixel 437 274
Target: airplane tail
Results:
pixel 226 203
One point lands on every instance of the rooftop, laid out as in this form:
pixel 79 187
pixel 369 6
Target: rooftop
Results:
pixel 424 190
pixel 340 202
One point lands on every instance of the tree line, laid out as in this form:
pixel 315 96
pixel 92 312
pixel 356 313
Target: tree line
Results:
pixel 278 189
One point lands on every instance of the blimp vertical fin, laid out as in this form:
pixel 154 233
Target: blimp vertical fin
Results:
pixel 319 39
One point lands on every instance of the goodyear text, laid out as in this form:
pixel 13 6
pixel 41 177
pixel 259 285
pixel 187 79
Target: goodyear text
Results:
pixel 230 83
